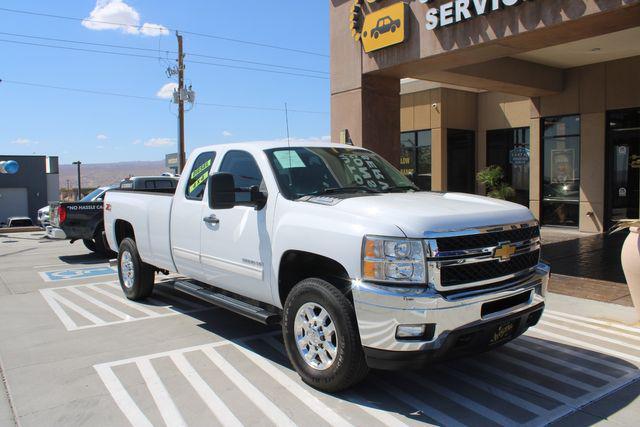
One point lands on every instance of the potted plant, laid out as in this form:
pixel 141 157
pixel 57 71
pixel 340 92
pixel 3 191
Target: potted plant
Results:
pixel 630 258
pixel 492 177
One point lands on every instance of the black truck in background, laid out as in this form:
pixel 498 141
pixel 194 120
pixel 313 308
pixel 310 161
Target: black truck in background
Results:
pixel 83 220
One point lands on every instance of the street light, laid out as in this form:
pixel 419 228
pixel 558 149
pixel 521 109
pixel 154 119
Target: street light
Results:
pixel 79 184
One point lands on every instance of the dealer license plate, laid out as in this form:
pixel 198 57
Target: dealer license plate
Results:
pixel 503 332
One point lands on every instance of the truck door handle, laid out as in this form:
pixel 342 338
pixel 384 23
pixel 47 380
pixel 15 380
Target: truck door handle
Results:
pixel 211 219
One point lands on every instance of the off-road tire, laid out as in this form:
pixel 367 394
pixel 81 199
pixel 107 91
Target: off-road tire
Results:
pixel 349 366
pixel 143 274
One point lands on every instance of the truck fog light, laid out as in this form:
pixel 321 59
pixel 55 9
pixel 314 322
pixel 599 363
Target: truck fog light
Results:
pixel 410 331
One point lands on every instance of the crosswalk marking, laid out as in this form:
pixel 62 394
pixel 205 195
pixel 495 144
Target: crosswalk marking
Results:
pixel 612 325
pixel 531 360
pixel 590 335
pixel 90 308
pixel 594 327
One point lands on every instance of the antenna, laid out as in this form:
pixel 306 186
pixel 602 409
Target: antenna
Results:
pixel 286 117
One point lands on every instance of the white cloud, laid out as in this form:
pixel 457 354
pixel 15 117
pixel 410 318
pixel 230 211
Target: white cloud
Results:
pixel 99 147
pixel 226 133
pixel 166 91
pixel 137 142
pixel 102 137
pixel 158 142
pixel 117 15
pixel 24 141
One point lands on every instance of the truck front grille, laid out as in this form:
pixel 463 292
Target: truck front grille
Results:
pixel 481 258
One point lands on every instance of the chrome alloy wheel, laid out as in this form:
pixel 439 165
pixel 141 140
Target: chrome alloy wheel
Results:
pixel 316 336
pixel 126 267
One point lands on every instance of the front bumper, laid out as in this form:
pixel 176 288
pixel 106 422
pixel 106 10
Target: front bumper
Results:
pixel 381 309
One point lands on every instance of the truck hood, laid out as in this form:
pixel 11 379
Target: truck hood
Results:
pixel 418 213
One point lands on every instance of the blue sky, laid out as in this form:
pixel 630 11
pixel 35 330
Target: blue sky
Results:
pixel 94 128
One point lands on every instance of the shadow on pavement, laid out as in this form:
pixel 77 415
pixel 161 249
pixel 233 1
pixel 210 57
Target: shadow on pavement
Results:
pixel 82 259
pixel 594 257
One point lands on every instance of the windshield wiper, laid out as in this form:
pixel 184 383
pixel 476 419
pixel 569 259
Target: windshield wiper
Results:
pixel 334 190
pixel 399 188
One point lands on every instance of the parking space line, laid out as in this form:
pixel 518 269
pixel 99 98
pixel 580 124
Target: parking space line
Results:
pixel 587 345
pixel 168 410
pixel 123 399
pixel 594 327
pixel 106 307
pixel 267 407
pixel 590 335
pixel 596 321
pixel 59 304
pixel 211 399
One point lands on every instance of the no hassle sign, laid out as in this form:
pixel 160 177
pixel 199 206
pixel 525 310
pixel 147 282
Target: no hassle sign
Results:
pixel 456 11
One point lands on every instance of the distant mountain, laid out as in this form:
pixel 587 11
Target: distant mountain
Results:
pixel 100 174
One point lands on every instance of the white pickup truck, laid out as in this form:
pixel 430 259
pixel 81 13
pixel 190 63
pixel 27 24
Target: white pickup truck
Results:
pixel 361 269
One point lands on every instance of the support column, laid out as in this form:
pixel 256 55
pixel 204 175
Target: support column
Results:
pixel 535 159
pixel 592 162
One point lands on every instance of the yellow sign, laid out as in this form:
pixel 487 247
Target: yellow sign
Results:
pixel 504 252
pixel 382 28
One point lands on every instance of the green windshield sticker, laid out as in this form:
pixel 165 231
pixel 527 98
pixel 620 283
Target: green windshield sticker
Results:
pixel 204 167
pixel 198 181
pixel 288 159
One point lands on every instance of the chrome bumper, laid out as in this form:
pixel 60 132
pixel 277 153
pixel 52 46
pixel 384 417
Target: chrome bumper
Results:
pixel 55 233
pixel 381 309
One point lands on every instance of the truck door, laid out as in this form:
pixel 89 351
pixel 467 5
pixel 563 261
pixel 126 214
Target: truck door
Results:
pixel 186 216
pixel 235 248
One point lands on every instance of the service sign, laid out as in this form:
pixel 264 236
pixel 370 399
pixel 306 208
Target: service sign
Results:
pixel 378 29
pixel 453 12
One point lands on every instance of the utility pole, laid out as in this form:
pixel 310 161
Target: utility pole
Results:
pixel 79 184
pixel 181 91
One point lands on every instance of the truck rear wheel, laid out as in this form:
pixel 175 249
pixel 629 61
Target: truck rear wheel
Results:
pixel 89 244
pixel 321 336
pixel 136 277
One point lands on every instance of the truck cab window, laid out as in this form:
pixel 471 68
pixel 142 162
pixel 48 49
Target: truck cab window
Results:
pixel 198 175
pixel 245 171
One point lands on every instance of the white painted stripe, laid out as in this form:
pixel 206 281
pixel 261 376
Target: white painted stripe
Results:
pixel 294 387
pixel 557 376
pixel 580 343
pixel 125 301
pixel 269 409
pixel 560 361
pixel 472 405
pixel 106 307
pixel 545 391
pixel 58 310
pixel 175 298
pixel 168 410
pixel 122 398
pixel 210 398
pixel 495 391
pixel 372 409
pixel 557 346
pixel 81 311
pixel 418 405
pixel 594 327
pixel 596 321
pixel 589 334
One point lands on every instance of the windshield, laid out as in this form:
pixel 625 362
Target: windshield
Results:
pixel 303 171
pixel 89 197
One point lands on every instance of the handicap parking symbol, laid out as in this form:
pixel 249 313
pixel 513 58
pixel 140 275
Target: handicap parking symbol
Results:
pixel 76 273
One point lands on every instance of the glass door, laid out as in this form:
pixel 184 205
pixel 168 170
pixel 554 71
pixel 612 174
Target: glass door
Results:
pixel 461 161
pixel 509 149
pixel 415 157
pixel 623 164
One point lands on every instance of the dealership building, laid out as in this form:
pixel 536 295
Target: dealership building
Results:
pixel 547 90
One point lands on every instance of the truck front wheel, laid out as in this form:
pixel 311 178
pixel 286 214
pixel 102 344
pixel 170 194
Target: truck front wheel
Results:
pixel 321 336
pixel 136 277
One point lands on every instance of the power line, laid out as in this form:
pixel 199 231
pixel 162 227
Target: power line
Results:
pixel 198 55
pixel 211 36
pixel 149 98
pixel 135 55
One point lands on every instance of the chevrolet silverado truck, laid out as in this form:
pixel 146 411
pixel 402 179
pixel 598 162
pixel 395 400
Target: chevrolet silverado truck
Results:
pixel 360 268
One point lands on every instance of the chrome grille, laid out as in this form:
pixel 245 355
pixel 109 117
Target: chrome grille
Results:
pixel 476 258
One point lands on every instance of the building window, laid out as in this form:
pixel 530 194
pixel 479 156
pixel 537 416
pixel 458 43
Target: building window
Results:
pixel 415 157
pixel 561 170
pixel 509 149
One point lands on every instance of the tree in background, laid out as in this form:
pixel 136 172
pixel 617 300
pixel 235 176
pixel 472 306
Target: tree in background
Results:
pixel 492 177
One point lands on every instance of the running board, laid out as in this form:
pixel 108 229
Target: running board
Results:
pixel 113 262
pixel 243 308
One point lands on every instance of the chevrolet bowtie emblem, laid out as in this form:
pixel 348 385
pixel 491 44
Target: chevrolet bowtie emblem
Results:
pixel 504 251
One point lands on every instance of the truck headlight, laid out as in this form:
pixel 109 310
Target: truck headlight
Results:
pixel 386 259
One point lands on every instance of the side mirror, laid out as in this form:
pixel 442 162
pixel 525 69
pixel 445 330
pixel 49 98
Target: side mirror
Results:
pixel 258 198
pixel 222 191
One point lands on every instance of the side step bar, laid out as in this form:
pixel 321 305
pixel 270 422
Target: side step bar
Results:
pixel 243 308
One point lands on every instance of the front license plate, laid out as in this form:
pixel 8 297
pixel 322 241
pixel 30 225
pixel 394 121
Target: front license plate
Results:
pixel 503 332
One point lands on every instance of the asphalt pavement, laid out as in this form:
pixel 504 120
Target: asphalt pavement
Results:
pixel 74 352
